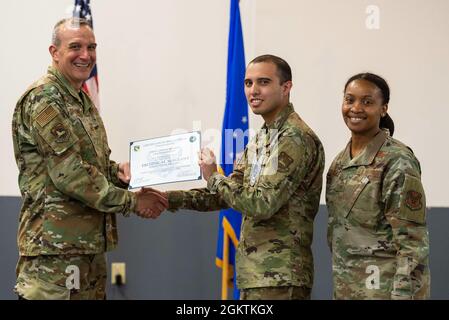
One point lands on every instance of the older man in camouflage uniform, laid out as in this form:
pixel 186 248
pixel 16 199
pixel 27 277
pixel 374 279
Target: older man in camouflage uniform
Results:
pixel 71 189
pixel 276 185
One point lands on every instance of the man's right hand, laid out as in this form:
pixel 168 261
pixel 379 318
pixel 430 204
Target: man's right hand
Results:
pixel 151 203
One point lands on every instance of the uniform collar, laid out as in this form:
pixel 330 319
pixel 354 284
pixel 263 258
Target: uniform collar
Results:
pixel 80 95
pixel 366 157
pixel 280 119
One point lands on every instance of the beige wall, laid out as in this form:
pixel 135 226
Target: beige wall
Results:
pixel 162 66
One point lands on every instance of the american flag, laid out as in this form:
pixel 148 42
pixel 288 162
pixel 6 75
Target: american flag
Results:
pixel 82 10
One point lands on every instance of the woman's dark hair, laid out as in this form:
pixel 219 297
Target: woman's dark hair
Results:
pixel 385 122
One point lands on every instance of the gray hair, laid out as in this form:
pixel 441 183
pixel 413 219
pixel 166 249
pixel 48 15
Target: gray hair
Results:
pixel 74 23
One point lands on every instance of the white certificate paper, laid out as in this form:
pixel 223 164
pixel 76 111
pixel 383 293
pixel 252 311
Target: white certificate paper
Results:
pixel 165 159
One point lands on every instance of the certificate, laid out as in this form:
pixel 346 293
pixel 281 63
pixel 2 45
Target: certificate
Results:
pixel 165 159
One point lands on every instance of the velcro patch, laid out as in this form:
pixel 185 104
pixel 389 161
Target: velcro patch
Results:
pixel 413 203
pixel 413 200
pixel 284 161
pixel 60 133
pixel 46 115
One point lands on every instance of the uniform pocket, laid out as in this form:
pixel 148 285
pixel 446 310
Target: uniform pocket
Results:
pixel 37 289
pixel 58 134
pixel 353 193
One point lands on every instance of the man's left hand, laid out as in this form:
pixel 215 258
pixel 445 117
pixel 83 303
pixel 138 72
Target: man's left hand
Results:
pixel 207 162
pixel 124 173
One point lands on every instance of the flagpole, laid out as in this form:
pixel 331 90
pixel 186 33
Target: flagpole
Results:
pixel 225 267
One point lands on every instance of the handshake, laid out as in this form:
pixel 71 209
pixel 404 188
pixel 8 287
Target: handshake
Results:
pixel 151 203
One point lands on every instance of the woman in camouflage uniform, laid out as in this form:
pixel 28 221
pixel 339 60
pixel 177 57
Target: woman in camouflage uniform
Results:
pixel 377 225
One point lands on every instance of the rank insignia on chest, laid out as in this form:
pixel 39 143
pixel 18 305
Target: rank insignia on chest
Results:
pixel 413 200
pixel 60 133
pixel 255 171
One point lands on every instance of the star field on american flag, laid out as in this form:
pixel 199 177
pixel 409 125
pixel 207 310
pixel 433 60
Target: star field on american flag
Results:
pixel 82 10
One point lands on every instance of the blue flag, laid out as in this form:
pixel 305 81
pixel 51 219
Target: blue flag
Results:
pixel 234 139
pixel 82 10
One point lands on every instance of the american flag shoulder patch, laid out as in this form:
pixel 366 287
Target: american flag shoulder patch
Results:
pixel 46 115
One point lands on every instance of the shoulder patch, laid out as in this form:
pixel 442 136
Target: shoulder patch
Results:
pixel 413 203
pixel 413 200
pixel 46 115
pixel 284 161
pixel 60 133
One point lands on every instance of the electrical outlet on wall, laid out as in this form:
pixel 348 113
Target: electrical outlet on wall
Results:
pixel 118 273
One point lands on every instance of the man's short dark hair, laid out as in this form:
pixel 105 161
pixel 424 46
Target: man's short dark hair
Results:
pixel 283 69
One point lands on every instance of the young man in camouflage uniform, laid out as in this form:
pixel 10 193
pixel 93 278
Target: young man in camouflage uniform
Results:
pixel 377 208
pixel 276 185
pixel 71 189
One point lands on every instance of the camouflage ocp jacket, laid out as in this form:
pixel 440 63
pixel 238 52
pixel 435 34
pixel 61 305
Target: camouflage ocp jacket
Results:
pixel 278 202
pixel 69 185
pixel 377 223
